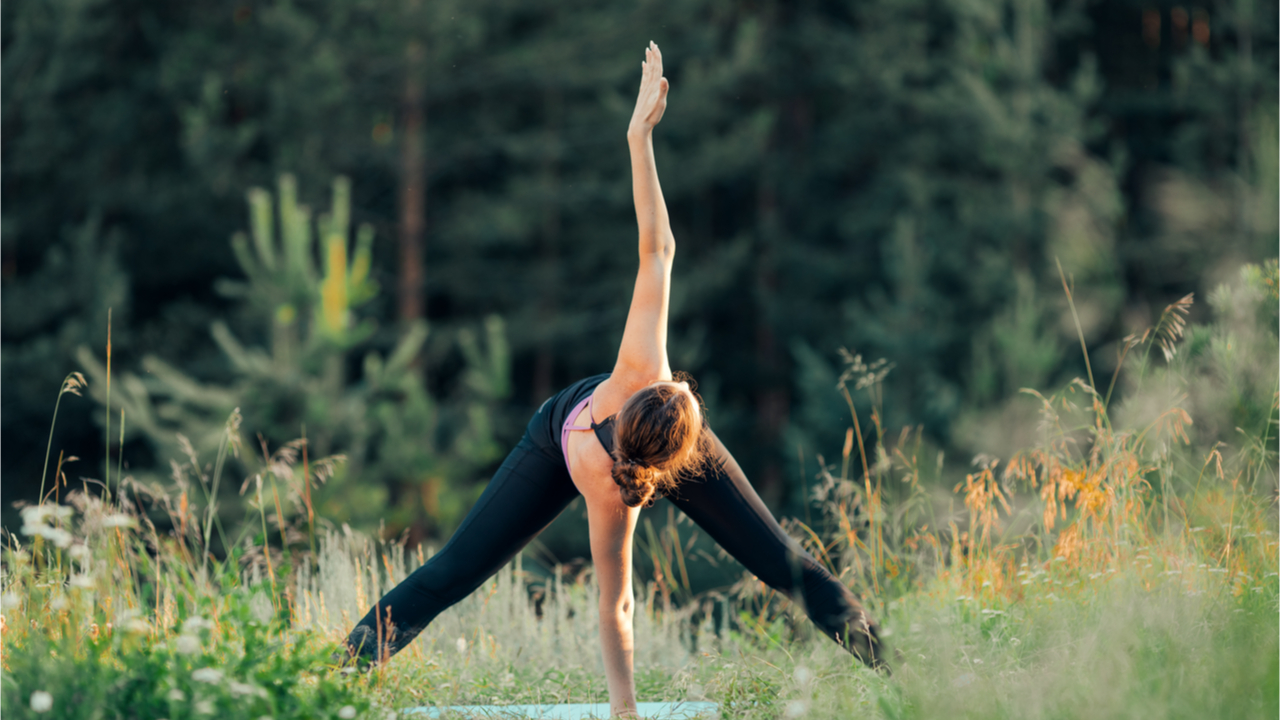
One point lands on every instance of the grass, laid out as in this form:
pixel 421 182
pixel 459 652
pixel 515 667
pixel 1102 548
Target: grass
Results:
pixel 1114 569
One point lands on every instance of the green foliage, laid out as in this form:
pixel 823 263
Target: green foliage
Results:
pixel 304 287
pixel 896 177
pixel 241 670
pixel 87 647
pixel 1155 614
pixel 46 315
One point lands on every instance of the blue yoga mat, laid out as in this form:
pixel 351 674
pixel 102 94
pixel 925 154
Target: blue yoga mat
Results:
pixel 576 711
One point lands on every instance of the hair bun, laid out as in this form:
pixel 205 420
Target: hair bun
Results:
pixel 634 480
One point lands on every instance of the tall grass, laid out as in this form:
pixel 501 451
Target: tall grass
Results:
pixel 1122 566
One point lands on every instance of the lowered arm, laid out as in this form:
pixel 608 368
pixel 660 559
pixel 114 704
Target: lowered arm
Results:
pixel 612 525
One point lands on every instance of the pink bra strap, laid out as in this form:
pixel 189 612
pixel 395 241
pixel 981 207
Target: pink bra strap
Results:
pixel 564 430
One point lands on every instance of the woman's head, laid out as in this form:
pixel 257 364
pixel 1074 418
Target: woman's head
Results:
pixel 658 433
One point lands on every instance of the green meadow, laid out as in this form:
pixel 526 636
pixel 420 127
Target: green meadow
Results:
pixel 1115 567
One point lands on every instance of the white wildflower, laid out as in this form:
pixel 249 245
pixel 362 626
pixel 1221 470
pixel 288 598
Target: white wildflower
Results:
pixel 33 523
pixel 187 645
pixel 10 601
pixel 239 689
pixel 204 707
pixel 58 602
pixel 177 695
pixel 137 625
pixel 119 520
pixel 803 675
pixel 461 644
pixel 347 712
pixel 37 514
pixel 81 581
pixel 796 708
pixel 207 675
pixel 79 552
pixel 195 624
pixel 41 701
pixel 57 536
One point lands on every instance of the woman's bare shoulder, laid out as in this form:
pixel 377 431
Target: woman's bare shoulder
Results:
pixel 611 394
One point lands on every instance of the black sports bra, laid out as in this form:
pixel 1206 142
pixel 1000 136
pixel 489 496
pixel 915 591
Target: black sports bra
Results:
pixel 604 432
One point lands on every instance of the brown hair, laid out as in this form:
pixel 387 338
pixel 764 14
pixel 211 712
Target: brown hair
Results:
pixel 658 434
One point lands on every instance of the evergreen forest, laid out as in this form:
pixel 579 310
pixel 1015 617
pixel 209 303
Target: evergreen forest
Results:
pixel 386 230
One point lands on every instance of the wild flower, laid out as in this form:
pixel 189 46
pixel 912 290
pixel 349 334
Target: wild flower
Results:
pixel 204 707
pixel 41 701
pixel 177 695
pixel 119 520
pixel 79 552
pixel 81 580
pixel 196 624
pixel 33 524
pixel 37 514
pixel 10 601
pixel 137 625
pixel 207 675
pixel 240 689
pixel 461 644
pixel 796 708
pixel 347 712
pixel 187 645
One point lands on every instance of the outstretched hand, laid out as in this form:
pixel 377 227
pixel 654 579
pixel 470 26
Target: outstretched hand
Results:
pixel 652 100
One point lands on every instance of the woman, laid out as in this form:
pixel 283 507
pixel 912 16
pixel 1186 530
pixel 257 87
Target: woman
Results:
pixel 618 440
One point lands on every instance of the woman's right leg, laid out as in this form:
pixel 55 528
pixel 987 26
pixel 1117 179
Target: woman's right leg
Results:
pixel 530 489
pixel 722 502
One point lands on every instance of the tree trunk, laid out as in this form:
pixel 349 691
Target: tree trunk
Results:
pixel 544 355
pixel 772 396
pixel 410 280
pixel 413 191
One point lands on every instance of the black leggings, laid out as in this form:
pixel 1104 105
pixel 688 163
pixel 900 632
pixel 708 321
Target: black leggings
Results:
pixel 533 486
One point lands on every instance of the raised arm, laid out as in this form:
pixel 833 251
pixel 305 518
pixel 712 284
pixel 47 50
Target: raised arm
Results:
pixel 643 354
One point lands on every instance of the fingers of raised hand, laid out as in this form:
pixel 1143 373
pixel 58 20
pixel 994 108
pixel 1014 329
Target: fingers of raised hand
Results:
pixel 652 65
pixel 654 56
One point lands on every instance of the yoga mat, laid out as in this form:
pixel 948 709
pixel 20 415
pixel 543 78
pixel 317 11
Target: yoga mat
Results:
pixel 576 711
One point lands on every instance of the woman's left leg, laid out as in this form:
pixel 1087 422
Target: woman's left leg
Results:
pixel 723 503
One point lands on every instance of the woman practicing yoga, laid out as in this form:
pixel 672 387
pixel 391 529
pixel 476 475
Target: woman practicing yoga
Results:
pixel 618 440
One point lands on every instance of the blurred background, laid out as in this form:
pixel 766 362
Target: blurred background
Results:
pixel 442 234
